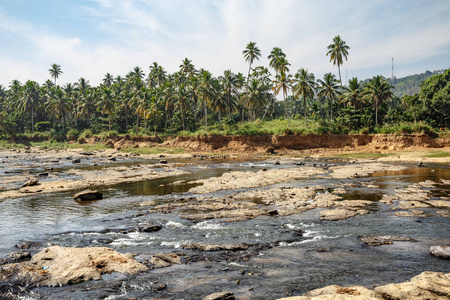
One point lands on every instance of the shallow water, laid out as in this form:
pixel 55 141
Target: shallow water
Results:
pixel 284 264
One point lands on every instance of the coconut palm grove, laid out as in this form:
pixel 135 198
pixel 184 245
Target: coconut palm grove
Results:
pixel 278 99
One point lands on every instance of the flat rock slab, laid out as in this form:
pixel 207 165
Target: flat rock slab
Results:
pixel 340 214
pixel 220 296
pixel 385 240
pixel 427 285
pixel 55 266
pixel 215 247
pixel 88 195
pixel 440 251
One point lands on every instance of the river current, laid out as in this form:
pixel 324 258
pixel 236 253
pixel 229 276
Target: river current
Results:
pixel 284 262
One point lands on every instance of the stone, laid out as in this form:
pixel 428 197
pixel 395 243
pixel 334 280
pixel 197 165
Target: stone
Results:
pixel 15 257
pixel 444 213
pixel 215 247
pixel 339 214
pixel 220 296
pixel 76 161
pixel 150 228
pixel 385 240
pixel 413 213
pixel 163 161
pixel 55 266
pixel 412 204
pixel 440 251
pixel 31 181
pixel 88 195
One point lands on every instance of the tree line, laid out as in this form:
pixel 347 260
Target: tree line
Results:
pixel 192 99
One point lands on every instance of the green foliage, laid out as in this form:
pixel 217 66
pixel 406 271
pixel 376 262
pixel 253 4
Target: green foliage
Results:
pixel 154 150
pixel 73 134
pixel 108 135
pixel 439 154
pixel 410 85
pixel 43 126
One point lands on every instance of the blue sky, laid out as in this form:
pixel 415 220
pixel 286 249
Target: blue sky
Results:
pixel 90 38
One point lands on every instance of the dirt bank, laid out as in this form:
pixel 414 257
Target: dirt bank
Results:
pixel 304 142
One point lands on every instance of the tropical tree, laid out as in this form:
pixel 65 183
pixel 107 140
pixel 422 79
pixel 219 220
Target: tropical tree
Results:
pixel 28 99
pixel 182 97
pixel 283 82
pixel 55 71
pixel 338 50
pixel 304 86
pixel 329 90
pixel 251 52
pixel 106 103
pixel 58 104
pixel 207 91
pixel 254 96
pixel 276 59
pixel 187 69
pixel 108 80
pixel 353 94
pixel 378 90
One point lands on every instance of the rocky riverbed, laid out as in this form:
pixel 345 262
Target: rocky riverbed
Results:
pixel 189 227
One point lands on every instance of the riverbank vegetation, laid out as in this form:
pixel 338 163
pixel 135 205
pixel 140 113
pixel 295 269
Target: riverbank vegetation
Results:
pixel 192 101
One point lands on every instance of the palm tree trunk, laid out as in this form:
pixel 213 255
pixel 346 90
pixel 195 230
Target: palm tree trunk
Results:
pixel 339 70
pixel 285 109
pixel 182 116
pixel 206 116
pixel 304 106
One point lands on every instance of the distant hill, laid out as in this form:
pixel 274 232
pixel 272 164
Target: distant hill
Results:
pixel 410 85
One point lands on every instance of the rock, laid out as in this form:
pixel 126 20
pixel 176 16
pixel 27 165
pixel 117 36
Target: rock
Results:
pixel 220 296
pixel 28 245
pixel 270 150
pixel 412 204
pixel 43 174
pixel 215 247
pixel 444 213
pixel 440 251
pixel 385 240
pixel 88 195
pixel 163 161
pixel 411 214
pixel 55 266
pixel 339 214
pixel 427 285
pixel 76 161
pixel 15 257
pixel 31 181
pixel 439 203
pixel 150 228
pixel 112 159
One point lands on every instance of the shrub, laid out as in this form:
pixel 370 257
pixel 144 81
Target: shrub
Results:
pixel 43 126
pixel 72 135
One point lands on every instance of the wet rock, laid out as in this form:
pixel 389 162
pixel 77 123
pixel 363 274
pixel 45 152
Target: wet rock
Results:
pixel 162 260
pixel 28 245
pixel 340 214
pixel 43 174
pixel 439 203
pixel 163 161
pixel 440 251
pixel 353 203
pixel 215 247
pixel 270 150
pixel 105 241
pixel 56 266
pixel 335 292
pixel 220 296
pixel 76 161
pixel 385 240
pixel 31 181
pixel 112 158
pixel 150 228
pixel 15 257
pixel 326 199
pixel 88 195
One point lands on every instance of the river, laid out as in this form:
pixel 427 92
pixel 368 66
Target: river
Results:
pixel 282 262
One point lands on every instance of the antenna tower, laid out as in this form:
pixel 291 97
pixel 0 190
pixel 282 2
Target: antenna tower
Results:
pixel 392 76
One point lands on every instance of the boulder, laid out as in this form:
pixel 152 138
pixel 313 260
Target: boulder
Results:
pixel 150 228
pixel 76 161
pixel 55 266
pixel 88 195
pixel 440 251
pixel 340 214
pixel 220 296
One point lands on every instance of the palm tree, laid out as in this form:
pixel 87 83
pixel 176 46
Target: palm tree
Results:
pixel 329 90
pixel 251 52
pixel 182 96
pixel 55 71
pixel 337 51
pixel 354 92
pixel 206 89
pixel 187 68
pixel 108 80
pixel 106 104
pixel 58 104
pixel 305 85
pixel 274 58
pixel 283 82
pixel 378 90
pixel 255 96
pixel 28 99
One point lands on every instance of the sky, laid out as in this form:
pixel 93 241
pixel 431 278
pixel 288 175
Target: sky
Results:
pixel 89 38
